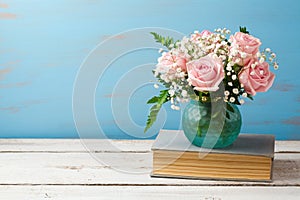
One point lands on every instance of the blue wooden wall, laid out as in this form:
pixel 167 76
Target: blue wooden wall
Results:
pixel 44 43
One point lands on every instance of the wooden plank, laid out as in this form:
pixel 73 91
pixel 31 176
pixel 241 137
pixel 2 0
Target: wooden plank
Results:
pixel 148 192
pixel 119 169
pixel 287 146
pixel 78 145
pixel 73 145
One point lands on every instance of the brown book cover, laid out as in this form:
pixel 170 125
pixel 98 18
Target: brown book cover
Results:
pixel 249 158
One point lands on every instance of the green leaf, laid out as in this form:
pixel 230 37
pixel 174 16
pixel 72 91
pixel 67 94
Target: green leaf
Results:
pixel 244 30
pixel 154 110
pixel 165 41
pixel 237 68
pixel 229 107
pixel 153 100
pixel 250 96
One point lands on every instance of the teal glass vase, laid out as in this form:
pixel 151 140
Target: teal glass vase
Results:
pixel 211 125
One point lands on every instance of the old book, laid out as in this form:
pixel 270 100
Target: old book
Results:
pixel 250 158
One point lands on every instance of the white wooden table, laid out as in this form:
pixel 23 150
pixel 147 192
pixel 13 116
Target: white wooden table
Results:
pixel 64 169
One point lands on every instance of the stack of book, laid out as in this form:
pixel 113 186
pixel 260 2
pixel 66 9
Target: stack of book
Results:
pixel 249 158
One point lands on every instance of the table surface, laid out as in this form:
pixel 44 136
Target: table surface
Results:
pixel 119 169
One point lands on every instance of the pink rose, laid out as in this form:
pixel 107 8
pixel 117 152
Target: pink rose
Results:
pixel 258 79
pixel 206 73
pixel 197 36
pixel 172 61
pixel 246 43
pixel 205 33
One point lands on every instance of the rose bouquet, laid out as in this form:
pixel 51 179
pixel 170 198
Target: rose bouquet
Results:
pixel 210 67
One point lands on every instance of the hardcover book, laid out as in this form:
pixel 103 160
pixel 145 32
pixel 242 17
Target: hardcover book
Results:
pixel 249 158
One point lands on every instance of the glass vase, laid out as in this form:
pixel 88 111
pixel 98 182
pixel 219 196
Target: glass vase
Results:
pixel 211 125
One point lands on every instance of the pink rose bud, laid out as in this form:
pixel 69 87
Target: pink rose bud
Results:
pixel 247 43
pixel 168 60
pixel 197 36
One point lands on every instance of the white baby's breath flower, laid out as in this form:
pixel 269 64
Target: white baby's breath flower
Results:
pixel 273 55
pixel 258 54
pixel 261 60
pixel 244 94
pixel 223 43
pixel 182 74
pixel 232 99
pixel 233 77
pixel 230 64
pixel 184 93
pixel 235 91
pixel 230 84
pixel 234 52
pixel 242 101
pixel 228 68
pixel 156 86
pixel 171 92
pixel 268 50
pixel 226 93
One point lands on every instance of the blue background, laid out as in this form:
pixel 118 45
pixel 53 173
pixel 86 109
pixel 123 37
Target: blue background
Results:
pixel 43 43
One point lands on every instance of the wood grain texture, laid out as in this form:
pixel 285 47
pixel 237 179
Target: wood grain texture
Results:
pixel 63 169
pixel 66 162
pixel 148 193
